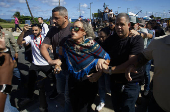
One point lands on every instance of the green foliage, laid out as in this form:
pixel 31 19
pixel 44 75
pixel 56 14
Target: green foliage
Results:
pixel 22 19
pixel 157 18
pixel 17 14
pixel 12 21
pixel 152 16
pixel 98 15
pixel 1 20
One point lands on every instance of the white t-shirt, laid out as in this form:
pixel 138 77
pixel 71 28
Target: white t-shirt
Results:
pixel 37 57
pixel 164 25
pixel 45 29
pixel 111 14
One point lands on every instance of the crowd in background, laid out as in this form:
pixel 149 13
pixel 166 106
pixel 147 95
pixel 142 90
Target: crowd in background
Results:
pixel 93 57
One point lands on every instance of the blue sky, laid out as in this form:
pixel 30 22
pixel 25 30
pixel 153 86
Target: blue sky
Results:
pixel 42 8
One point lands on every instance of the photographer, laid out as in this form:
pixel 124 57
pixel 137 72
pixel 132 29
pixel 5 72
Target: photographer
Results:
pixel 6 72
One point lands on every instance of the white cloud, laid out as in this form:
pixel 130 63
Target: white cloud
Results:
pixel 82 12
pixel 53 2
pixel 13 10
pixel 132 14
pixel 1 14
pixel 3 4
pixel 84 5
pixel 21 1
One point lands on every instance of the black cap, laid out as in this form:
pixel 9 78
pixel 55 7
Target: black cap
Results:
pixel 37 25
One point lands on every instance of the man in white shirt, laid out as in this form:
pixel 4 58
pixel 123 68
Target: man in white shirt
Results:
pixel 38 64
pixel 45 28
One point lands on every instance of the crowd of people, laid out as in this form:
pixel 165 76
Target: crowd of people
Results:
pixel 91 58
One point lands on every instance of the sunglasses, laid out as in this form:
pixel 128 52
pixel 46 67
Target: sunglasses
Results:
pixel 76 29
pixel 111 24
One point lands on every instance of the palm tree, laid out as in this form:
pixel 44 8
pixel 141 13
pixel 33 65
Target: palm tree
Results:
pixel 30 11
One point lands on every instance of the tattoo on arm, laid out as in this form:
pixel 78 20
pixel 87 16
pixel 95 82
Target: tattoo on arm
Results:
pixel 141 60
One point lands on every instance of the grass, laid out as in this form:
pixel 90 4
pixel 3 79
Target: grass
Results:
pixel 9 25
pixel 16 37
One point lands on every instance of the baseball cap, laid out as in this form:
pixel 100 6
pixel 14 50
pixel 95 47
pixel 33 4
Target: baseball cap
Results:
pixel 133 19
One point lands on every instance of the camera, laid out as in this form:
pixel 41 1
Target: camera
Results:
pixel 28 22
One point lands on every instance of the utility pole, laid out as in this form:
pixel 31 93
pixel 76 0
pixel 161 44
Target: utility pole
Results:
pixel 127 10
pixel 118 10
pixel 90 9
pixel 59 2
pixel 30 11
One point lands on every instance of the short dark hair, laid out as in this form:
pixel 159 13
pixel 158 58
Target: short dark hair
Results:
pixel 41 18
pixel 37 25
pixel 120 15
pixel 112 21
pixel 106 31
pixel 62 10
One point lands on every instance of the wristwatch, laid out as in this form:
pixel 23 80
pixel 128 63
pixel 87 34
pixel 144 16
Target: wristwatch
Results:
pixel 5 88
pixel 110 70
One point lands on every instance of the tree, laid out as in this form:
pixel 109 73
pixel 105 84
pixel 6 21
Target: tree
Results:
pixel 17 14
pixel 152 16
pixel 30 11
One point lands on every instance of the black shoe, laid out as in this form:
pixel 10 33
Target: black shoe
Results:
pixel 53 95
pixel 25 102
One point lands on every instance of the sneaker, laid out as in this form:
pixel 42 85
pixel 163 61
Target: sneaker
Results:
pixel 53 95
pixel 100 106
pixel 43 109
pixel 146 92
pixel 25 101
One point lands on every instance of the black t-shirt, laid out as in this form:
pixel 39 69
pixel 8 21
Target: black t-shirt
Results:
pixel 56 37
pixel 119 51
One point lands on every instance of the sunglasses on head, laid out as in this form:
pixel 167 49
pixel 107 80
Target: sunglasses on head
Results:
pixel 76 29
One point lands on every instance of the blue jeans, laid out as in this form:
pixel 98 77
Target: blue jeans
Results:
pixel 105 17
pixel 104 84
pixel 8 107
pixel 147 75
pixel 17 73
pixel 62 88
pixel 124 96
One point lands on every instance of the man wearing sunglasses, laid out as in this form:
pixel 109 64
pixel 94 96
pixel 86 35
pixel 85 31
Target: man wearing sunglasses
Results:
pixel 112 27
pixel 56 37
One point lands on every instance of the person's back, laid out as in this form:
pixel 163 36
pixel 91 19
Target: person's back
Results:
pixel 158 50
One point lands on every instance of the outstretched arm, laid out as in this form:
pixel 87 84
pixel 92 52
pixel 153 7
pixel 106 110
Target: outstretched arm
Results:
pixel 6 71
pixel 45 54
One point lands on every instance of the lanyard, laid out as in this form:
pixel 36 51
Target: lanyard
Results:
pixel 38 46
